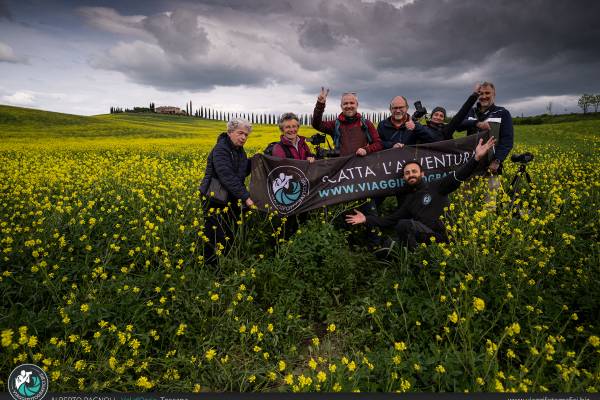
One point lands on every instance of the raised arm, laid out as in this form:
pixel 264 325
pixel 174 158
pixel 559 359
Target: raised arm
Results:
pixel 460 116
pixel 317 120
pixel 452 182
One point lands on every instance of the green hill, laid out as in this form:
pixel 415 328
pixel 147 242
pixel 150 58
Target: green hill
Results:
pixel 25 122
pixel 37 127
pixel 30 126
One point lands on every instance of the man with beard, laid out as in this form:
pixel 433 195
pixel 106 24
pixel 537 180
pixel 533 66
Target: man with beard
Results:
pixel 418 218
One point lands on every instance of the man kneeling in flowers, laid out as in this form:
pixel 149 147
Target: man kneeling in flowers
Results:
pixel 418 217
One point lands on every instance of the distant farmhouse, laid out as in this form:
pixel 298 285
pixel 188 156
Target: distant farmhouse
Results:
pixel 169 110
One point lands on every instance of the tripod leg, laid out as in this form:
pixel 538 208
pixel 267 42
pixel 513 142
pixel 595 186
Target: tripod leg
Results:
pixel 513 184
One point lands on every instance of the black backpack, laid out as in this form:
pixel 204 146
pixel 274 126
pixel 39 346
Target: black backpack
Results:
pixel 269 150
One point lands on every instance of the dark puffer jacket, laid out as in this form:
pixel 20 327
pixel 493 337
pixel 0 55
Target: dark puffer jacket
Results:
pixel 230 165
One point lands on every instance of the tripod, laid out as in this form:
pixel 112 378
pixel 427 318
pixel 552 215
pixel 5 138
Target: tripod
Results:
pixel 520 176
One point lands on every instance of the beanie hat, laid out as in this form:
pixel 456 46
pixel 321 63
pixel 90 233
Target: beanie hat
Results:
pixel 440 109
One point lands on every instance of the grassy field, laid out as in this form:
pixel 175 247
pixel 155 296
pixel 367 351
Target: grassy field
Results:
pixel 103 282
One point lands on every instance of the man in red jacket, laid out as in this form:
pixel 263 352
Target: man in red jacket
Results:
pixel 351 132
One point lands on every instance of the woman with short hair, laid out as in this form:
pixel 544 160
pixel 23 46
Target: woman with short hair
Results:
pixel 223 187
pixel 291 145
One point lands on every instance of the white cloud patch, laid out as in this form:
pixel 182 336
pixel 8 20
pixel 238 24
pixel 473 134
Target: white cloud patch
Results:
pixel 24 98
pixel 549 104
pixel 7 54
pixel 34 98
pixel 110 20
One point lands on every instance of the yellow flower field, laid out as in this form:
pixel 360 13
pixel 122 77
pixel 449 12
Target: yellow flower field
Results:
pixel 103 282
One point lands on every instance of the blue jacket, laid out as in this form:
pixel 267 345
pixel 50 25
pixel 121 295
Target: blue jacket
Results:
pixel 390 135
pixel 493 114
pixel 230 165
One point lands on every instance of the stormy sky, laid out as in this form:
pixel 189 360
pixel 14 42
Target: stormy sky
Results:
pixel 82 57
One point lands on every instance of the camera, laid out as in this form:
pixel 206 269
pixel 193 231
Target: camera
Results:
pixel 317 139
pixel 521 158
pixel 420 111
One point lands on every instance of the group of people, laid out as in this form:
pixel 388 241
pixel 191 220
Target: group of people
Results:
pixel 419 207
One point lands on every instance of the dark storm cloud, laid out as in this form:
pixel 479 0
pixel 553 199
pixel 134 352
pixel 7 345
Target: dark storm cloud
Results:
pixel 253 6
pixel 317 35
pixel 4 11
pixel 430 49
pixel 178 33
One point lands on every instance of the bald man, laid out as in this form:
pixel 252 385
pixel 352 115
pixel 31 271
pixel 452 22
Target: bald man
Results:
pixel 351 132
pixel 399 129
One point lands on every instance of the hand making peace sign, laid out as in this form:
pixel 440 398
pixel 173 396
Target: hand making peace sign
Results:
pixel 323 95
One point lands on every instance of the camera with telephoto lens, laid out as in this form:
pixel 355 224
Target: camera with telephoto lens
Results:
pixel 420 111
pixel 521 158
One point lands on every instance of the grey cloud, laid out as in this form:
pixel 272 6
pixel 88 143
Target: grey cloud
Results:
pixel 426 49
pixel 110 20
pixel 4 11
pixel 248 6
pixel 147 64
pixel 430 33
pixel 178 33
pixel 315 34
pixel 8 55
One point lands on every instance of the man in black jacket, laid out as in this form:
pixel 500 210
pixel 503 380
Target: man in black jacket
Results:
pixel 399 129
pixel 418 218
pixel 479 118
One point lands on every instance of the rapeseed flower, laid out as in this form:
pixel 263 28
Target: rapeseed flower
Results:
pixel 478 304
pixel 453 317
pixel 210 354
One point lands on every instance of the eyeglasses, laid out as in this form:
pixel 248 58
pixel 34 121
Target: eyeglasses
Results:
pixel 399 108
pixel 352 93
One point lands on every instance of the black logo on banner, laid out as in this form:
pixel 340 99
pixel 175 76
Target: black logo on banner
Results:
pixel 287 187
pixel 28 382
